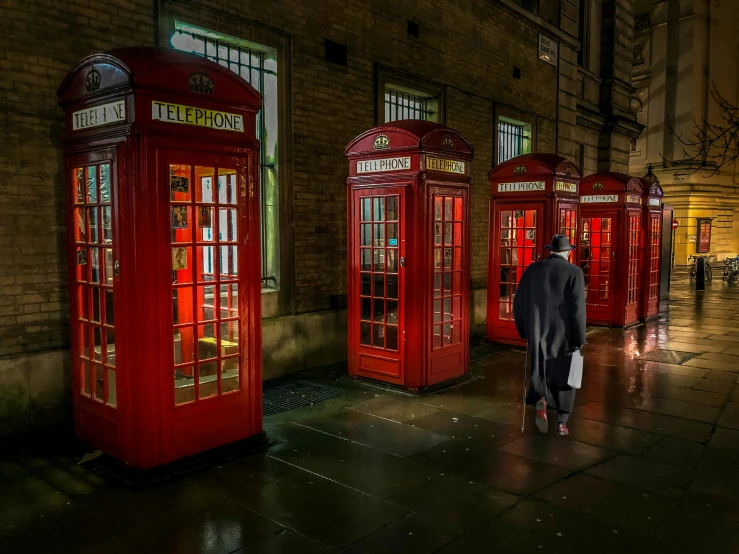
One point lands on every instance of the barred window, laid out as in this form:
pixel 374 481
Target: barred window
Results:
pixel 257 65
pixel 514 139
pixel 406 104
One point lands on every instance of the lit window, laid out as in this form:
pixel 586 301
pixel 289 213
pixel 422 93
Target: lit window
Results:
pixel 514 139
pixel 403 103
pixel 704 236
pixel 257 64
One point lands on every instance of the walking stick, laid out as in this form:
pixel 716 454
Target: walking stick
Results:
pixel 523 400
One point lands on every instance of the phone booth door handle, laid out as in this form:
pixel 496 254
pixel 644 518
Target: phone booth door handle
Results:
pixel 117 268
pixel 402 261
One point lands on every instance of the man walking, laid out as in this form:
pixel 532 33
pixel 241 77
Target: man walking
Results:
pixel 549 309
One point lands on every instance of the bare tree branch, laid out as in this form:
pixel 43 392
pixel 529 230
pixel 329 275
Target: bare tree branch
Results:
pixel 710 146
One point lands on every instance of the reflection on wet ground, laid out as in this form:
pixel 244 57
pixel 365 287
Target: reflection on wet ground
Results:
pixel 651 464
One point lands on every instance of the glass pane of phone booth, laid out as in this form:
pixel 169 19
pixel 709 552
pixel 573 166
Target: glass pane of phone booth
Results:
pixel 568 224
pixel 205 214
pixel 448 252
pixel 379 242
pixel 518 248
pixel 655 247
pixel 595 258
pixel 95 253
pixel 634 234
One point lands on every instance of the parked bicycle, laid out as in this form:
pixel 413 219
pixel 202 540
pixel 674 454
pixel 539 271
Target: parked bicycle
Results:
pixel 731 270
pixel 694 268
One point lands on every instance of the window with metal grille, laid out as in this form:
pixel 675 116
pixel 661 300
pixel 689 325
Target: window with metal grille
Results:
pixel 257 65
pixel 514 139
pixel 409 105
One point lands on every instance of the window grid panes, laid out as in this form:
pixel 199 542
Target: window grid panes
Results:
pixel 404 105
pixel 95 251
pixel 596 250
pixel 259 69
pixel 513 140
pixel 568 224
pixel 447 278
pixel 655 247
pixel 204 228
pixel 634 231
pixel 379 243
pixel 518 247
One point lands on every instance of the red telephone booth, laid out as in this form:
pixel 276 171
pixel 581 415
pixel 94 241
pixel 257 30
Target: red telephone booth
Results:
pixel 533 197
pixel 652 249
pixel 161 163
pixel 610 246
pixel 409 267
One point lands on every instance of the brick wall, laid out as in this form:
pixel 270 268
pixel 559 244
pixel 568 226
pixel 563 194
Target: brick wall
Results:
pixel 38 45
pixel 471 47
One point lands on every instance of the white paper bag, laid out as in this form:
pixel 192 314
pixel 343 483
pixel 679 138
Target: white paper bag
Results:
pixel 574 379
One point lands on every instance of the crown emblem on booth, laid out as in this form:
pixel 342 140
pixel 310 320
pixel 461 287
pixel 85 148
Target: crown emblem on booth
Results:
pixel 598 186
pixel 448 142
pixel 93 80
pixel 200 82
pixel 519 170
pixel 381 141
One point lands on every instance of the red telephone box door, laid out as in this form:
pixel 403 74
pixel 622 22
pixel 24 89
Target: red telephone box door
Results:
pixel 518 234
pixel 654 255
pixel 208 225
pixel 378 251
pixel 632 291
pixel 597 250
pixel 95 284
pixel 449 331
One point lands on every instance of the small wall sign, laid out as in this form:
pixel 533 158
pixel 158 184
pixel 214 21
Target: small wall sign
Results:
pixel 200 117
pixel 547 50
pixel 529 186
pixel 105 114
pixel 401 163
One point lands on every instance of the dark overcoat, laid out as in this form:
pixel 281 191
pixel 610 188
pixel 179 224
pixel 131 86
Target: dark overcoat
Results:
pixel 549 308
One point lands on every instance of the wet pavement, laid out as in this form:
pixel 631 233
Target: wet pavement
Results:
pixel 651 464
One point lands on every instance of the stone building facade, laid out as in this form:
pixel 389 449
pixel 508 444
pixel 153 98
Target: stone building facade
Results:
pixel 510 75
pixel 682 49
